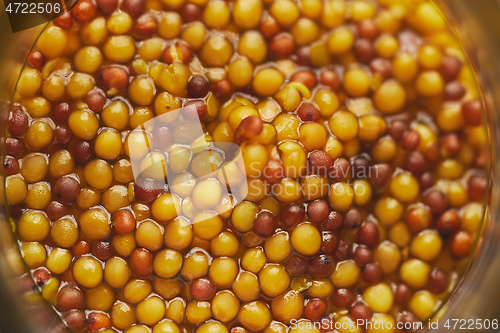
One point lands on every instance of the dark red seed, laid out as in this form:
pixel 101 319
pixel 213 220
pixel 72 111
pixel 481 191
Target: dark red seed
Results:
pixel 436 201
pixel 408 322
pixel 321 266
pixel 75 320
pixel 123 222
pixel 248 129
pixel 304 56
pixel 396 129
pixel 55 210
pixel 361 312
pixel 107 6
pixel 98 321
pixel 203 289
pixel 308 112
pixel 273 172
pixel 340 170
pixel 83 10
pixel 307 78
pixel 18 122
pixel 481 159
pixel 328 242
pixel 415 163
pixel 163 137
pixel 418 218
pixel 269 27
pixel 448 223
pixel 454 91
pixel 319 162
pixel 194 110
pixel 67 188
pixel 318 210
pixel 69 298
pixel 381 67
pixel 477 187
pixel 146 191
pixel 296 265
pixel 360 167
pixel 343 250
pixel 332 222
pixel 222 89
pixel 114 79
pixel 16 211
pixel 472 112
pixel 198 86
pixel 133 7
pixel 83 151
pixel 14 147
pixel 364 50
pixel 190 12
pixel 362 255
pixel 432 153
pixel 146 25
pixel 330 79
pixel 380 175
pixel 411 140
pixel 371 273
pixel 461 244
pixel 438 281
pixel 62 134
pixel 352 219
pixel 95 101
pixel 65 21
pixel 450 67
pixel 282 45
pixel 141 262
pixel 402 294
pixel 426 181
pixel 367 29
pixel 368 233
pixel 36 59
pixel 450 144
pixel 264 224
pixel 102 250
pixel 61 112
pixel 80 248
pixel 343 298
pixel 315 309
pixel 41 276
pixel 292 214
pixel 10 166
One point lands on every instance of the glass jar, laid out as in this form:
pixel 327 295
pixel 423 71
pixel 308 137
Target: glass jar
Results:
pixel 476 298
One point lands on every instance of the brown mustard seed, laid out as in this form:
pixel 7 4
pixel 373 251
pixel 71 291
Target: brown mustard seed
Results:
pixel 318 210
pixel 146 191
pixel 448 223
pixel 330 79
pixel 362 255
pixel 123 222
pixel 292 214
pixel 141 262
pixel 133 7
pixel 332 222
pixel 198 86
pixel 328 242
pixel 308 112
pixel 66 188
pixel 307 78
pixel 55 210
pixel 296 265
pixel 321 266
pixel 282 46
pixel 315 309
pixel 264 224
pixel 472 112
pixel 368 233
pixel 36 59
pixel 203 289
pixel 114 79
pixel 95 101
pixel 343 298
pixel 436 201
pixel 319 162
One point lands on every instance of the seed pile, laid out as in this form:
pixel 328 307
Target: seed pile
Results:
pixel 362 145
